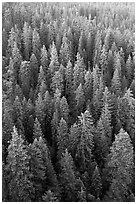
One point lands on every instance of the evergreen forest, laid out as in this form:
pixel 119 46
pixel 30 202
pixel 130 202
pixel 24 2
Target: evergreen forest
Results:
pixel 68 102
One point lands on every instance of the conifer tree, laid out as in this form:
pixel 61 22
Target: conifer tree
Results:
pixel 44 59
pixel 37 130
pixel 34 68
pixel 81 140
pixel 39 109
pixel 37 168
pixel 88 86
pixel 106 121
pixel 98 47
pixel 80 98
pixel 7 127
pixel 36 45
pixel 78 74
pixel 67 177
pixel 126 113
pixel 17 115
pixel 110 67
pixel 62 137
pixel 54 64
pixel 11 41
pixel 65 54
pixel 109 38
pixel 57 82
pixel 101 144
pixel 27 40
pixel 20 185
pixel 116 83
pixel 128 71
pixel 69 93
pixel 44 63
pixel 64 109
pixel 51 178
pixel 24 77
pixel 4 41
pixel 50 196
pixel 104 64
pixel 121 162
pixel 96 183
pixel 16 59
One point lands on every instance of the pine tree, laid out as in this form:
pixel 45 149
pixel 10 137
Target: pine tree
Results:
pixel 17 58
pixel 54 64
pixel 126 113
pixel 78 74
pixel 96 183
pixel 96 78
pixel 4 41
pixel 65 54
pixel 57 82
pixel 69 83
pixel 43 32
pixel 27 40
pixel 81 140
pixel 37 168
pixel 37 130
pixel 90 46
pixel 34 69
pixel 44 64
pixel 50 196
pixel 11 42
pixel 109 38
pixel 116 83
pixel 97 50
pixel 51 181
pixel 80 98
pixel 104 64
pixel 64 109
pixel 39 110
pixel 101 144
pixel 42 88
pixel 62 137
pixel 24 77
pixel 88 86
pixel 67 177
pixel 20 184
pixel 7 127
pixel 106 121
pixel 122 164
pixel 128 72
pixel 36 45
pixel 17 115
pixel 110 67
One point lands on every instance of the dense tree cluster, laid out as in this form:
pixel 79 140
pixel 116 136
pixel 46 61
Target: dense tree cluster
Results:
pixel 68 74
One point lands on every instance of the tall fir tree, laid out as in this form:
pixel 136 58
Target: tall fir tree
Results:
pixel 116 83
pixel 64 109
pixel 62 137
pixel 25 77
pixel 54 63
pixel 34 69
pixel 65 54
pixel 122 165
pixel 78 74
pixel 37 133
pixel 36 44
pixel 27 40
pixel 37 168
pixel 80 98
pixel 20 185
pixel 67 177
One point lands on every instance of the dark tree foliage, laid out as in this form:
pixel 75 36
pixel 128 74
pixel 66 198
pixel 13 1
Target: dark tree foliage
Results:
pixel 68 99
